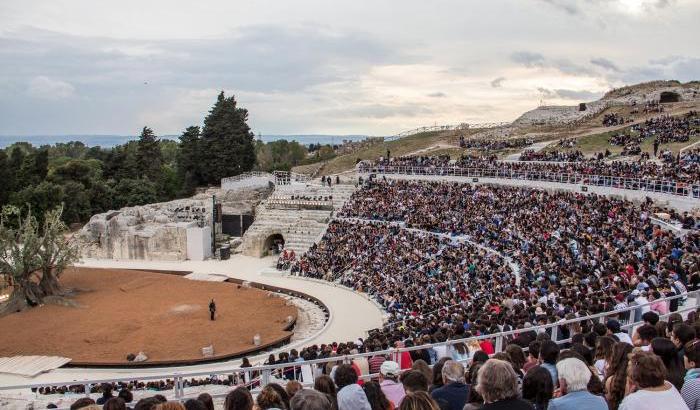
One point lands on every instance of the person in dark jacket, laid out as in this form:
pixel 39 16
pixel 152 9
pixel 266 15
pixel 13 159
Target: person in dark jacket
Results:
pixel 212 309
pixel 454 394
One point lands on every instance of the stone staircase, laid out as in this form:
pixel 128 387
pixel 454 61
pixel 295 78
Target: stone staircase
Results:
pixel 300 228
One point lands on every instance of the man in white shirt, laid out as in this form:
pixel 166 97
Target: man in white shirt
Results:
pixel 614 329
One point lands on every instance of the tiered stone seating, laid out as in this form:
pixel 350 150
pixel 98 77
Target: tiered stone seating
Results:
pixel 299 227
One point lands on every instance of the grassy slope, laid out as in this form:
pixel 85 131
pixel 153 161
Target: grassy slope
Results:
pixel 400 147
pixel 594 143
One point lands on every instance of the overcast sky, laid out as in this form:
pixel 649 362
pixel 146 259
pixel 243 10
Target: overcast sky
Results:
pixel 326 66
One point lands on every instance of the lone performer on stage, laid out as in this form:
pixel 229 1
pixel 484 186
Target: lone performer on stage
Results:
pixel 212 309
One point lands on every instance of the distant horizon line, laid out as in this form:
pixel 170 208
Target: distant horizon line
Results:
pixel 178 135
pixel 112 140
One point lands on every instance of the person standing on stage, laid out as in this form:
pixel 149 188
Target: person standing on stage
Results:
pixel 212 309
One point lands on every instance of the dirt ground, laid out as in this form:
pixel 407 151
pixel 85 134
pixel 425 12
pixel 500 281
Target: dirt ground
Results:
pixel 165 316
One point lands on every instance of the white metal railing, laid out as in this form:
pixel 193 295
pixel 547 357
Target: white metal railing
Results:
pixel 286 177
pixel 638 184
pixel 264 374
pixel 245 175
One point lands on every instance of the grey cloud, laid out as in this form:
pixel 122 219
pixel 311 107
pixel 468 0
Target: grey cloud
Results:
pixel 106 77
pixel 581 7
pixel 537 60
pixel 438 94
pixel 258 58
pixel 680 68
pixel 605 63
pixel 566 94
pixel 569 6
pixel 380 111
pixel 546 93
pixel 577 95
pixel 498 82
pixel 528 59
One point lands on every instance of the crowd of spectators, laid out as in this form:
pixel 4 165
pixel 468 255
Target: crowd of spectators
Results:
pixel 667 129
pixel 688 173
pixel 494 144
pixel 412 246
pixel 611 120
pixel 663 130
pixel 649 107
pixel 552 156
pixel 631 150
pixel 567 143
pixel 605 368
pixel 286 258
pixel 567 246
pixel 624 139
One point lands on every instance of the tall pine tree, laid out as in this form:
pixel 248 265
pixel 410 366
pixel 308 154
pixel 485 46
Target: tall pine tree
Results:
pixel 228 148
pixel 189 160
pixel 148 156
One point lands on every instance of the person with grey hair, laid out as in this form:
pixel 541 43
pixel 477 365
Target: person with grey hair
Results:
pixel 454 393
pixel 573 387
pixel 310 400
pixel 497 383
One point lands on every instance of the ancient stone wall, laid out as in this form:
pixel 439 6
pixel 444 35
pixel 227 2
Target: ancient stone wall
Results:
pixel 159 231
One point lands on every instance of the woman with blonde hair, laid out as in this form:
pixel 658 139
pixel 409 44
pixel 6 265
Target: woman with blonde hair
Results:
pixel 419 400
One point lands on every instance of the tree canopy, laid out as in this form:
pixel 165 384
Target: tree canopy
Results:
pixel 89 180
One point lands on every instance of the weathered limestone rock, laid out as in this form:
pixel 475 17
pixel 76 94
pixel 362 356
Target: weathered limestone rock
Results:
pixel 159 231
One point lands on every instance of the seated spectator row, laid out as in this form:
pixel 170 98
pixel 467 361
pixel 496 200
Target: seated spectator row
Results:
pixel 658 367
pixel 494 145
pixel 553 155
pixel 687 173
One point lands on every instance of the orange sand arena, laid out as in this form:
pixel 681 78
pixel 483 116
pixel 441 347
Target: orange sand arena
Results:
pixel 126 311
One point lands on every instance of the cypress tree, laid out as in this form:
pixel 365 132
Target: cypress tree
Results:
pixel 148 156
pixel 228 147
pixel 189 159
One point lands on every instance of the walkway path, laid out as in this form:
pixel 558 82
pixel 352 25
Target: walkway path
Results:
pixel 352 314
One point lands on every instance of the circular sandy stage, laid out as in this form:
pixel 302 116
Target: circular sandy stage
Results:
pixel 164 315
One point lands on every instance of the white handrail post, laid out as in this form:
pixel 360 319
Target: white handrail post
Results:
pixel 499 344
pixel 265 380
pixel 177 387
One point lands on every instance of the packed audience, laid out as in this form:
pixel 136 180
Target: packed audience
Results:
pixel 663 130
pixel 611 120
pixel 646 174
pixel 412 247
pixel 656 366
pixel 649 107
pixel 553 155
pixel 623 139
pixel 668 129
pixel 631 150
pixel 493 144
pixel 567 143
